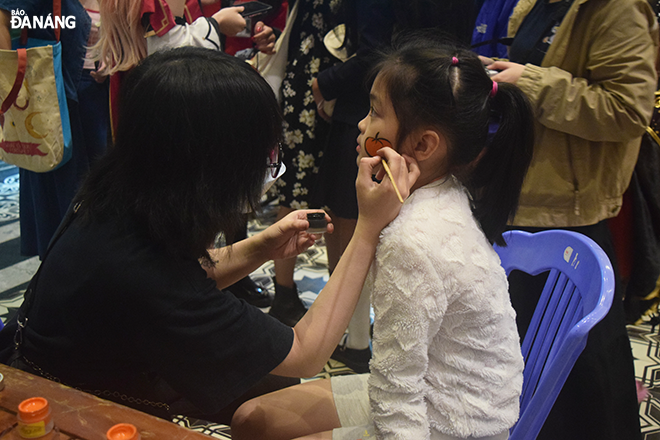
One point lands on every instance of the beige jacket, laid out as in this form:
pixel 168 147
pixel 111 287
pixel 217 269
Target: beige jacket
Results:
pixel 592 97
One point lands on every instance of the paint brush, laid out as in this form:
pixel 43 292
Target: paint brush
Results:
pixel 389 173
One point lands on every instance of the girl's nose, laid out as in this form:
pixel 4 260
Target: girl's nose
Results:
pixel 362 124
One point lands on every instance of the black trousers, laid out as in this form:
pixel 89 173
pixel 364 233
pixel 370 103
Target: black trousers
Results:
pixel 599 399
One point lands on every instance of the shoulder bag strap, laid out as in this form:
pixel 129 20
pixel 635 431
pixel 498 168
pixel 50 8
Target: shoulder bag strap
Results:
pixel 18 82
pixel 29 293
pixel 57 12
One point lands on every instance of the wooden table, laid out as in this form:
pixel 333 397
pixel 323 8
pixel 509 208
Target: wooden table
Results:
pixel 80 415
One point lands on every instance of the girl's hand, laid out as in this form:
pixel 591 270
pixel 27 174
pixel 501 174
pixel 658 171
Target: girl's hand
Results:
pixel 230 20
pixel 509 72
pixel 378 202
pixel 264 38
pixel 5 36
pixel 289 237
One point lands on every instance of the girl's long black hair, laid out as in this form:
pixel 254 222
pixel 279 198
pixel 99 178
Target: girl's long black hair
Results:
pixel 195 131
pixel 490 135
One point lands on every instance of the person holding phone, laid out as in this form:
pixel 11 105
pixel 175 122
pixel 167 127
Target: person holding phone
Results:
pixel 264 21
pixel 132 30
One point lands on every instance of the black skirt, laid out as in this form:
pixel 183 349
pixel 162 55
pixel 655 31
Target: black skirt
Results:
pixel 599 399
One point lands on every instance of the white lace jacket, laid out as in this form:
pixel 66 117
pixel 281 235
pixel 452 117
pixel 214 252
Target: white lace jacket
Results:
pixel 446 355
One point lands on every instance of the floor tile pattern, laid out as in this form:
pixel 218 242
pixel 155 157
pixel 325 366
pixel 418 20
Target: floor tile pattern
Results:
pixel 645 343
pixel 8 197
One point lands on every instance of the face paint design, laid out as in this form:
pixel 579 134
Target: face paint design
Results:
pixel 373 144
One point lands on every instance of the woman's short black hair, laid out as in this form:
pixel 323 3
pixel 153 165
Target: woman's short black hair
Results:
pixel 195 130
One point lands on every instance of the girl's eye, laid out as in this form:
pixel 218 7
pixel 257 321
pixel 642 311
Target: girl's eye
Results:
pixel 372 111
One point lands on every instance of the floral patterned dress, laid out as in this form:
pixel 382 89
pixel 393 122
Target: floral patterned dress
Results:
pixel 304 131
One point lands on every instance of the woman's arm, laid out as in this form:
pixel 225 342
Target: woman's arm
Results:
pixel 284 239
pixel 317 334
pixel 230 21
pixel 5 37
pixel 613 101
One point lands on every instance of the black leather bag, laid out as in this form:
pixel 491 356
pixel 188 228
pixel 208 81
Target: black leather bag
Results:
pixel 11 335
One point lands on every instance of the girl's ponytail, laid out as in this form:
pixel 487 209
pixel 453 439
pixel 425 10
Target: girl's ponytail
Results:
pixel 431 84
pixel 498 175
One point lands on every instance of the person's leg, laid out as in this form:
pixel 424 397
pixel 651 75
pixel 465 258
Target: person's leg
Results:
pixel 358 329
pixel 337 242
pixel 355 351
pixel 287 306
pixel 302 410
pixel 327 435
pixel 284 269
pixel 268 384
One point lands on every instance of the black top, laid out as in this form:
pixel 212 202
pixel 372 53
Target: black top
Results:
pixel 112 312
pixel 537 32
pixel 348 82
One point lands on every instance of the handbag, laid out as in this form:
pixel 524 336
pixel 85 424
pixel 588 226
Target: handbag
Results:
pixel 11 335
pixel 272 67
pixel 35 132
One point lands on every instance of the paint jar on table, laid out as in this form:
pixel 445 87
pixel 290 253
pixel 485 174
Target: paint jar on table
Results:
pixel 123 431
pixel 35 421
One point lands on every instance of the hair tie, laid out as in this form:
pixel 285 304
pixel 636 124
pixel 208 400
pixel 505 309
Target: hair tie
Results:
pixel 493 92
pixel 454 61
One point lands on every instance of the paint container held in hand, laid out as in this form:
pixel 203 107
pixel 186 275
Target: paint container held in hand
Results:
pixel 317 223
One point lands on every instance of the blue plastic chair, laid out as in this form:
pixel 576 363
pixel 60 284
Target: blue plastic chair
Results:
pixel 577 295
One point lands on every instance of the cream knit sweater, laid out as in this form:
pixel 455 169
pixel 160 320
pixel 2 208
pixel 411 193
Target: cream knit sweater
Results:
pixel 446 355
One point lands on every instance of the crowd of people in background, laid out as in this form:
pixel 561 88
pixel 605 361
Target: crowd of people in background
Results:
pixel 587 76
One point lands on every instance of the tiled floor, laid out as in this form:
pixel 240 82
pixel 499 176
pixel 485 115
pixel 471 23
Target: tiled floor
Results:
pixel 311 275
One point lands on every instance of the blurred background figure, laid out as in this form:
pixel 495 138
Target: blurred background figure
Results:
pixel 588 68
pixel 45 197
pixel 368 27
pixel 305 133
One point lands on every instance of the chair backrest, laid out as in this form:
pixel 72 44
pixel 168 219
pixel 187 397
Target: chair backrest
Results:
pixel 577 295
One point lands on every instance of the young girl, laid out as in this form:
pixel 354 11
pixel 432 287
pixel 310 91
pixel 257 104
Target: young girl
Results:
pixel 446 357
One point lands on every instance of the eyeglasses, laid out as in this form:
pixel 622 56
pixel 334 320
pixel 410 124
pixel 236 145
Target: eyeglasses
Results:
pixel 275 160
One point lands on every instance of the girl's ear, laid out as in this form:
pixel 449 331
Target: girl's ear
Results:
pixel 430 143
